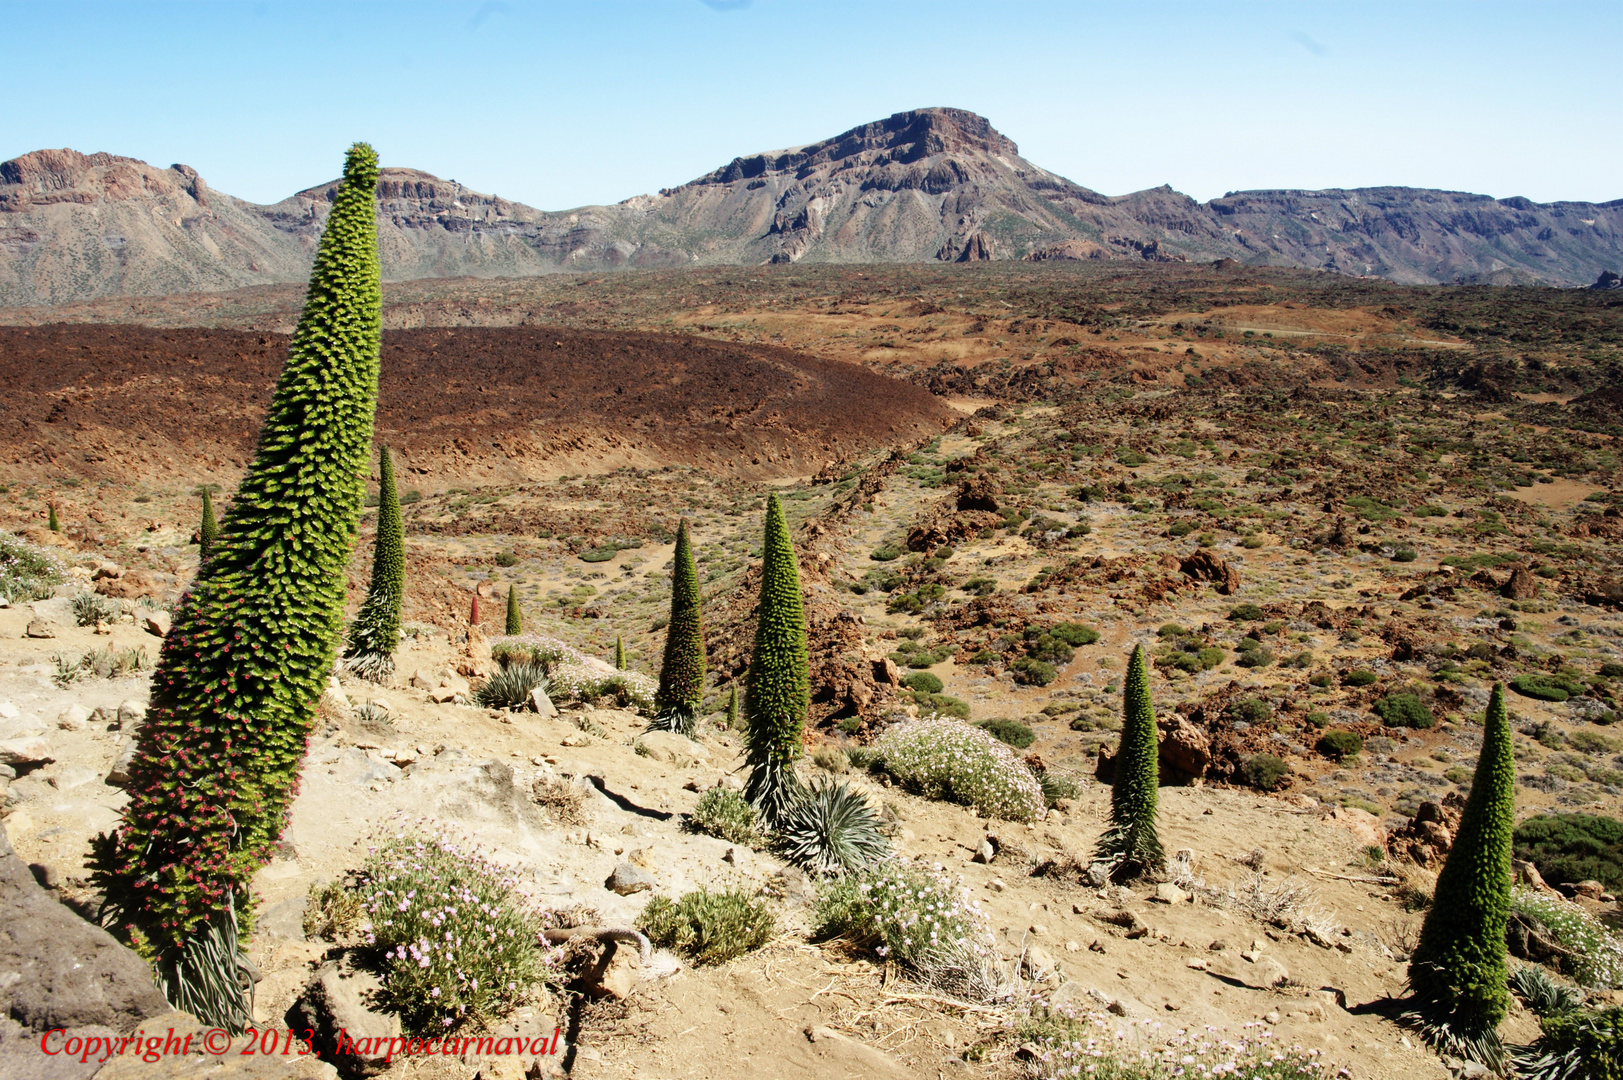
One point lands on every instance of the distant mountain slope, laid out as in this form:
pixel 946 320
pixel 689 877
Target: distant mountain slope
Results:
pixel 921 185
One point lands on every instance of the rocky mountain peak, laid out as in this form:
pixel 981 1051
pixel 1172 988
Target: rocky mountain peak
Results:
pixel 903 137
pixel 44 177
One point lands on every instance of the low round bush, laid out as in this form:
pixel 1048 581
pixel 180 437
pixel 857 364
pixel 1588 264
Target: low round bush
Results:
pixel 1404 710
pixel 27 572
pixel 1251 710
pixel 923 680
pixel 1576 1044
pixel 885 553
pixel 1337 745
pixel 1013 732
pixel 1360 677
pixel 1254 658
pixel 1265 772
pixel 918 917
pixel 1032 672
pixel 709 927
pixel 1546 687
pixel 1611 670
pixel 727 815
pixel 1247 613
pixel 454 942
pixel 1075 634
pixel 1568 848
pixel 941 758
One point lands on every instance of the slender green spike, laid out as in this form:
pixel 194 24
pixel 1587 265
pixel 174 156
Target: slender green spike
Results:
pixel 208 530
pixel 515 620
pixel 1131 841
pixel 778 686
pixel 376 630
pixel 681 676
pixel 1457 971
pixel 253 642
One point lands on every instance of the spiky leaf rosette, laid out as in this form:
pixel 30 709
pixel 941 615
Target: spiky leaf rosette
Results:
pixel 1579 1044
pixel 376 630
pixel 830 830
pixel 1131 841
pixel 208 530
pixel 515 620
pixel 681 675
pixel 778 686
pixel 253 640
pixel 1457 972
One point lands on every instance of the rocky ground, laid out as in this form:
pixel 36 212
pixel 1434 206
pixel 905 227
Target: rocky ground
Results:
pixel 1293 558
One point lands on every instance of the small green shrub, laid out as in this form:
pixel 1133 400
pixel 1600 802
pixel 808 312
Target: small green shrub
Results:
pixel 1074 634
pixel 1265 772
pixel 728 816
pixel 1547 687
pixel 1321 680
pixel 885 553
pixel 1575 1044
pixel 1569 848
pixel 599 554
pixel 333 910
pixel 1258 657
pixel 1339 745
pixel 1072 1044
pixel 1246 613
pixel 709 927
pixel 1360 677
pixel 1031 672
pixel 923 680
pixel 830 759
pixel 91 608
pixel 1404 710
pixel 1251 710
pixel 944 704
pixel 1611 670
pixel 27 572
pixel 455 942
pixel 1013 732
pixel 946 759
pixel 1318 720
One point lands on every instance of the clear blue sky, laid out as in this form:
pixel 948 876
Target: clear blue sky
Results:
pixel 562 104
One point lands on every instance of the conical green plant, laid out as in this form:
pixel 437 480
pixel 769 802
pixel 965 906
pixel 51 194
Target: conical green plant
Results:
pixel 235 689
pixel 208 530
pixel 376 630
pixel 515 620
pixel 50 521
pixel 732 708
pixel 681 676
pixel 1131 842
pixel 1457 971
pixel 619 653
pixel 778 686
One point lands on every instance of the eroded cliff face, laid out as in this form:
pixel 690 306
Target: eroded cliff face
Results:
pixel 928 184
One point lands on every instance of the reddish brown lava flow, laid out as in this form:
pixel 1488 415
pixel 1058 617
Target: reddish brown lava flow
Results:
pixel 468 403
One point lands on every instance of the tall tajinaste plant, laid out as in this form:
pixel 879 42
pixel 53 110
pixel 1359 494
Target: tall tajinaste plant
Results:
pixel 234 693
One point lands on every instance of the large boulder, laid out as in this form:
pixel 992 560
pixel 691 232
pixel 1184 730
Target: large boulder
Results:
pixel 59 971
pixel 1521 585
pixel 1184 752
pixel 1427 836
pixel 1209 566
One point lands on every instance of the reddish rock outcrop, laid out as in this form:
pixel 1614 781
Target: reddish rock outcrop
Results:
pixel 1206 565
pixel 1426 838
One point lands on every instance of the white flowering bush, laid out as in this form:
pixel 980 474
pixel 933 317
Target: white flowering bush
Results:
pixel 1098 1046
pixel 1597 960
pixel 455 942
pixel 943 758
pixel 920 917
pixel 543 649
pixel 575 682
pixel 27 572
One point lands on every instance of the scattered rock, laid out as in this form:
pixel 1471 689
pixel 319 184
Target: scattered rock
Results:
pixel 131 713
pixel 29 750
pixel 1038 964
pixel 986 852
pixel 541 704
pixel 1521 585
pixel 678 750
pixel 157 623
pixel 8 711
pixel 1365 826
pixel 73 718
pixel 627 879
pixel 616 972
pixel 119 774
pixel 40 628
pixel 338 1001
pixel 1592 889
pixel 1168 893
